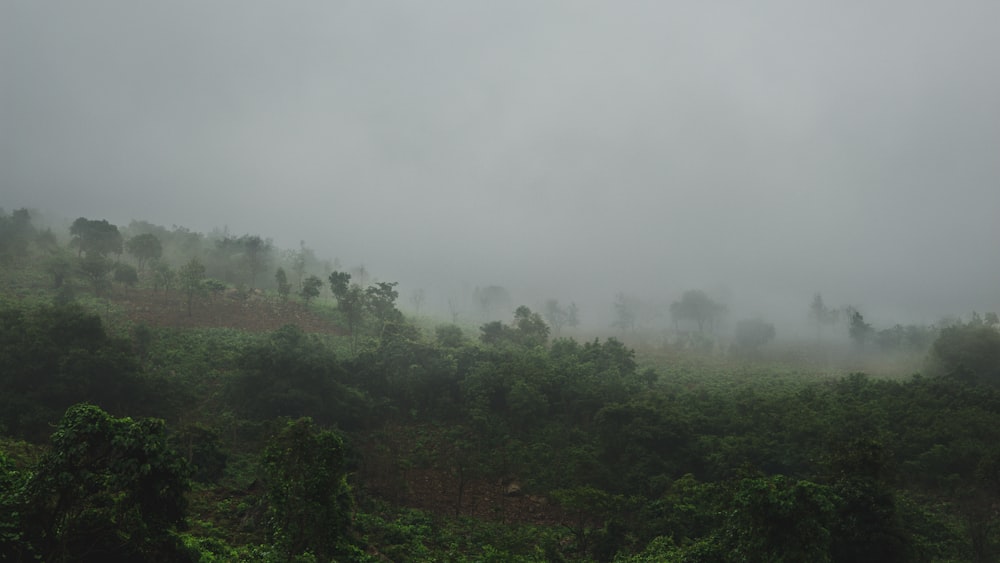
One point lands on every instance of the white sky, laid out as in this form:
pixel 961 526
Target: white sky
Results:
pixel 761 150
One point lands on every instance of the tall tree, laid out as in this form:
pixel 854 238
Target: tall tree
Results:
pixel 191 278
pixel 95 237
pixel 351 301
pixel 125 274
pixel 857 328
pixel 380 299
pixel 558 316
pixel 308 495
pixel 281 280
pixel 417 298
pixel 96 268
pixel 163 276
pixel 257 252
pixel 111 489
pixel 821 315
pixel 310 288
pixel 695 305
pixel 143 248
pixel 625 312
pixel 16 232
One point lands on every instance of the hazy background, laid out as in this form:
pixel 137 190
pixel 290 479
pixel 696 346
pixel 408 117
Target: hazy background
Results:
pixel 762 151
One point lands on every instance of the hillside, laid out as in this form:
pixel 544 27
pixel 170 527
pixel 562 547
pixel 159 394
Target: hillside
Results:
pixel 289 424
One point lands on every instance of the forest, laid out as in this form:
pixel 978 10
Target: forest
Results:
pixel 168 395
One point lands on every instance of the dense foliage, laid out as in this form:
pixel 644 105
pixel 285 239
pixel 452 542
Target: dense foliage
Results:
pixel 392 441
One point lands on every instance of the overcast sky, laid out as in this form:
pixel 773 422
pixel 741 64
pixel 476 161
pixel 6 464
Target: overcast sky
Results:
pixel 762 150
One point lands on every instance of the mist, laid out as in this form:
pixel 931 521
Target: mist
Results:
pixel 760 152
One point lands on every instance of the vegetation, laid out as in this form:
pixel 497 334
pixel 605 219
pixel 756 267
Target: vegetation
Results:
pixel 383 440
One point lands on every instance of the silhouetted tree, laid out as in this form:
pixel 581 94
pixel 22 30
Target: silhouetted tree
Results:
pixel 821 315
pixel 125 275
pixel 111 489
pixel 308 496
pixel 558 316
pixel 95 237
pixel 626 311
pixel 281 280
pixel 310 288
pixel 191 276
pixel 857 328
pixel 695 305
pixel 143 248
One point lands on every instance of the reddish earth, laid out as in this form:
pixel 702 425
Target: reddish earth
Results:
pixel 437 491
pixel 416 466
pixel 255 313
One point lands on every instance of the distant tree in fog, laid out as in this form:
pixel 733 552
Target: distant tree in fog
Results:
pixel 821 315
pixel 95 237
pixel 696 306
pixel 257 252
pixel 857 328
pixel 626 311
pixel 558 316
pixel 191 276
pixel 310 288
pixel 281 280
pixel 492 299
pixel 143 248
pixel 417 299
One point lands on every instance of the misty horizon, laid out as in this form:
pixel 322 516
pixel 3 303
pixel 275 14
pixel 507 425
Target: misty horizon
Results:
pixel 762 154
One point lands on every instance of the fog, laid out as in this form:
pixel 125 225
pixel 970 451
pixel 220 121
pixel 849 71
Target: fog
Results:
pixel 760 151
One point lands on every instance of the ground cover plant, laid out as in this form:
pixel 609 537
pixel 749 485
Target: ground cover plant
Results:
pixel 351 433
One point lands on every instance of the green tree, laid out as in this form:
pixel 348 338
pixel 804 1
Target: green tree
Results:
pixel 16 232
pixel 970 350
pixel 163 276
pixel 308 495
pixel 59 265
pixel 859 331
pixel 95 237
pixel 257 252
pixel 340 282
pixel 291 373
pixel 111 489
pixel 144 248
pixel 190 277
pixel 310 288
pixel 54 356
pixel 96 268
pixel 14 545
pixel 529 328
pixel 449 336
pixel 696 306
pixel 380 300
pixel 125 275
pixel 352 301
pixel 281 280
pixel 775 519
